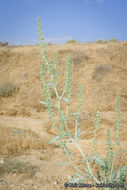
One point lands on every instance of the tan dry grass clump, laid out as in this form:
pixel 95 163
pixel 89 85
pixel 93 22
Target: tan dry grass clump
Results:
pixel 16 141
pixel 101 71
pixel 8 89
pixel 17 167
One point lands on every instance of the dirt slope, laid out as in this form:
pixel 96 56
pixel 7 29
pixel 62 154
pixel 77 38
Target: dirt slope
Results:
pixel 49 173
pixel 101 68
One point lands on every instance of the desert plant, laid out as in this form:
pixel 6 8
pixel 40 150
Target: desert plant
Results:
pixel 100 42
pixel 106 173
pixel 14 141
pixel 8 89
pixel 3 44
pixel 72 41
pixel 101 71
pixel 17 167
pixel 112 40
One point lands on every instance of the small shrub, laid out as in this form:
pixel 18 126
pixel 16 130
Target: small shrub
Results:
pixel 17 167
pixel 72 41
pixel 78 57
pixel 112 40
pixel 8 89
pixel 100 42
pixel 14 141
pixel 64 51
pixel 101 71
pixel 4 44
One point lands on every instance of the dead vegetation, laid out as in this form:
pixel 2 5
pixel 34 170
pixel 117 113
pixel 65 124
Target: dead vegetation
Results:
pixel 17 167
pixel 3 44
pixel 101 71
pixel 16 141
pixel 8 89
pixel 91 63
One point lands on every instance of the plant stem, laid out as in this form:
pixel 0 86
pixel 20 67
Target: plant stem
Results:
pixel 88 166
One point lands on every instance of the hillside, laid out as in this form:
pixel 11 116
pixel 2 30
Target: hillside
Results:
pixel 100 67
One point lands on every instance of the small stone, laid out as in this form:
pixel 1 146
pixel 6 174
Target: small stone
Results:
pixel 55 182
pixel 1 161
pixel 68 177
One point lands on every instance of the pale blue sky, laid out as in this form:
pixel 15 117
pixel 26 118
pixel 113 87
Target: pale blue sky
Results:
pixel 82 20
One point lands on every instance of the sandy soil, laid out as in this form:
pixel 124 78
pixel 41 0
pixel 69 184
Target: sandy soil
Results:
pixel 49 174
pixel 21 65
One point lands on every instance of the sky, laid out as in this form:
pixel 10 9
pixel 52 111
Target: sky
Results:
pixel 62 20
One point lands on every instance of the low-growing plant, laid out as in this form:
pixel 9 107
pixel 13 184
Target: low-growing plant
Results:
pixel 8 89
pixel 79 57
pixel 17 167
pixel 101 71
pixel 4 44
pixel 112 40
pixel 14 141
pixel 72 41
pixel 107 173
pixel 100 41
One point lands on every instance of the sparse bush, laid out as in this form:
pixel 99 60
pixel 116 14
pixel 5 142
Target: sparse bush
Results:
pixel 17 167
pixel 101 71
pixel 78 57
pixel 107 172
pixel 4 44
pixel 64 51
pixel 112 40
pixel 100 42
pixel 8 89
pixel 14 141
pixel 72 41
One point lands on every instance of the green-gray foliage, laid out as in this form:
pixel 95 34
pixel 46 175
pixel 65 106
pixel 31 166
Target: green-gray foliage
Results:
pixel 106 173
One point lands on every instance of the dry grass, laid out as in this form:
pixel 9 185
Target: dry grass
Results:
pixel 15 141
pixel 101 71
pixel 79 57
pixel 100 42
pixel 8 89
pixel 21 65
pixel 24 65
pixel 17 167
pixel 64 51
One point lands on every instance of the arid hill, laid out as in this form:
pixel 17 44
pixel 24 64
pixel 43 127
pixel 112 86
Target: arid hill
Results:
pixel 100 67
